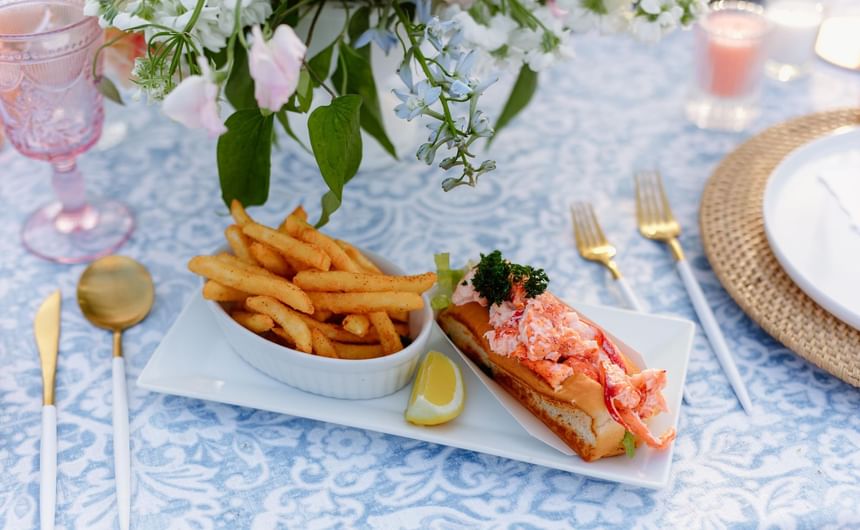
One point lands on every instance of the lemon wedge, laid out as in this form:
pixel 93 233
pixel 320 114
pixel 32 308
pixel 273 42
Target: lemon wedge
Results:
pixel 438 393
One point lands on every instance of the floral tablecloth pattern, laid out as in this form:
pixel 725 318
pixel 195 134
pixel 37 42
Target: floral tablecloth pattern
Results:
pixel 616 107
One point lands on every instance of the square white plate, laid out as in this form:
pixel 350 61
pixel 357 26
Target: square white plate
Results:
pixel 194 361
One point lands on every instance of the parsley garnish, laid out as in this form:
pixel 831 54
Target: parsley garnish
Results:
pixel 494 277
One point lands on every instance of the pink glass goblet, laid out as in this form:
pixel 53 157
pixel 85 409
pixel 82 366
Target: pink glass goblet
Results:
pixel 51 110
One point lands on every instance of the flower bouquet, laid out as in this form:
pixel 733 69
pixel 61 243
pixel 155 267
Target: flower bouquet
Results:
pixel 201 54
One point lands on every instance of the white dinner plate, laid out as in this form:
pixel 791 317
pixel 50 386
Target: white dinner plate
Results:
pixel 810 234
pixel 194 360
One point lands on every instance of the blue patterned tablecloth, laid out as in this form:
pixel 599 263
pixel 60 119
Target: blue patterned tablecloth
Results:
pixel 202 465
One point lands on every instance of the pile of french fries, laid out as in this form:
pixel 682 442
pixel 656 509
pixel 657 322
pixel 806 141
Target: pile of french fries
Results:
pixel 303 289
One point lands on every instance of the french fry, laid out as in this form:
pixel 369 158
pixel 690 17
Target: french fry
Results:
pixel 298 212
pixel 288 319
pixel 256 322
pixel 322 316
pixel 217 292
pixel 358 257
pixel 239 214
pixel 343 281
pixel 322 346
pixel 358 351
pixel 366 302
pixel 402 329
pixel 232 260
pixel 301 230
pixel 388 337
pixel 214 268
pixel 356 324
pixel 270 259
pixel 339 334
pixel 399 316
pixel 286 340
pixel 239 243
pixel 300 251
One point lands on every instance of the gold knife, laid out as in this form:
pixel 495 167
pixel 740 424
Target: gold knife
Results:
pixel 46 326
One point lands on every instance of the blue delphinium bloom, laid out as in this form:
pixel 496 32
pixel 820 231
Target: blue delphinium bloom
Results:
pixel 383 38
pixel 416 101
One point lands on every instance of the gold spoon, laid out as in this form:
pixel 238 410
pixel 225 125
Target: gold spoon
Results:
pixel 115 293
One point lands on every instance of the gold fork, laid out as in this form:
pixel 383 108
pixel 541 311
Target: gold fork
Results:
pixel 656 221
pixel 593 246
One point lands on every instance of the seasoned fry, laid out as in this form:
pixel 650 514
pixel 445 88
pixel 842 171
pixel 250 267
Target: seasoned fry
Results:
pixel 388 337
pixel 217 292
pixel 322 346
pixel 356 324
pixel 358 351
pixel 239 243
pixel 288 319
pixel 270 259
pixel 300 251
pixel 322 316
pixel 343 281
pixel 214 268
pixel 239 214
pixel 339 334
pixel 256 322
pixel 402 329
pixel 286 340
pixel 232 260
pixel 399 316
pixel 366 302
pixel 358 257
pixel 301 230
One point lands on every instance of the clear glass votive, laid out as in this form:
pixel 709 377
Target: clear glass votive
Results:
pixel 729 55
pixel 791 42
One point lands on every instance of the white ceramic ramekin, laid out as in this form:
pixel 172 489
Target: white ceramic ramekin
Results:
pixel 338 378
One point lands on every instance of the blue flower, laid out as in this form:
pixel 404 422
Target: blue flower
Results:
pixel 459 89
pixel 383 38
pixel 422 11
pixel 416 101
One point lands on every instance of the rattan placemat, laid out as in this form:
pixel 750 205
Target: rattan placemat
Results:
pixel 733 235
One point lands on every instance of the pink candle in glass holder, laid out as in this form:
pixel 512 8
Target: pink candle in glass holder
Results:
pixel 731 50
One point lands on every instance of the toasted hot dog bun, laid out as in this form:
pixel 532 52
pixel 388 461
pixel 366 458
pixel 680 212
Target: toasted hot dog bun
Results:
pixel 575 411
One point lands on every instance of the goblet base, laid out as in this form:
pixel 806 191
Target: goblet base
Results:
pixel 95 230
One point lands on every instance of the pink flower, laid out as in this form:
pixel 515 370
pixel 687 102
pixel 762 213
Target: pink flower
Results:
pixel 275 66
pixel 194 103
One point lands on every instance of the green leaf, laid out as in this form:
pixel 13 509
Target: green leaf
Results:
pixel 321 64
pixel 304 95
pixel 355 76
pixel 520 96
pixel 109 90
pixel 240 86
pixel 358 24
pixel 629 444
pixel 336 142
pixel 283 119
pixel 244 162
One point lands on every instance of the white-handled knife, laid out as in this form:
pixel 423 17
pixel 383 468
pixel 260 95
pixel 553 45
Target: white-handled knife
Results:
pixel 46 327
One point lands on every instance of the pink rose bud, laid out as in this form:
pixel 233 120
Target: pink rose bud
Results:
pixel 275 66
pixel 194 103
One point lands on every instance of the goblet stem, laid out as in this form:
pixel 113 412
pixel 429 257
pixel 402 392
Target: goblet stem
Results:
pixel 75 213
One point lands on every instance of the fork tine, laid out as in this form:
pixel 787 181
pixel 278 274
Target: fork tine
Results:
pixel 643 214
pixel 595 224
pixel 663 199
pixel 577 229
pixel 654 197
pixel 581 225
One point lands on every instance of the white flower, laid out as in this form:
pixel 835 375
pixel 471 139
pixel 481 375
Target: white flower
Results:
pixel 582 17
pixel 275 66
pixel 194 103
pixel 213 27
